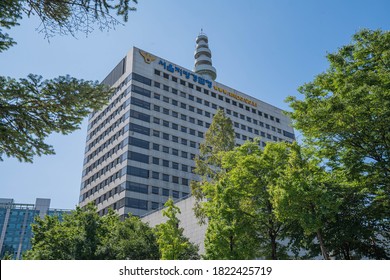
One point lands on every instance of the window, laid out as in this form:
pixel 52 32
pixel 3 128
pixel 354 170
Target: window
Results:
pixel 183 94
pixel 182 82
pixel 140 116
pixel 214 106
pixel 175 114
pixel 139 172
pixel 183 105
pixel 184 154
pixel 155 175
pixel 165 163
pixel 165 111
pixel 165 136
pixel 140 103
pixel 174 102
pixel 165 99
pixel 198 100
pixel 156 84
pixel 192 131
pixel 206 91
pixel 154 205
pixel 165 75
pixel 175 139
pixel 156 147
pixel 139 129
pixel 191 97
pixel 138 157
pixel 166 123
pixel 199 111
pixel 200 134
pixel 142 79
pixel 207 114
pixel 156 96
pixel 174 79
pixel 192 120
pixel 175 180
pixel 175 165
pixel 184 167
pixel 156 160
pixel 165 192
pixel 183 129
pixel 198 88
pixel 184 181
pixel 183 117
pixel 240 105
pixel 192 144
pixel 243 127
pixel 166 88
pixel 191 108
pixel 156 108
pixel 156 133
pixel 156 120
pixel 200 122
pixel 207 103
pixel 220 97
pixel 136 203
pixel 157 72
pixel 137 187
pixel 184 141
pixel 175 194
pixel 236 124
pixel 138 143
pixel 213 94
pixel 166 149
pixel 190 85
pixel 175 152
pixel 155 190
pixel 175 126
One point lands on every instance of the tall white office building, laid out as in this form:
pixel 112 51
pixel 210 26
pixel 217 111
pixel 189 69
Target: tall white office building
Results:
pixel 140 148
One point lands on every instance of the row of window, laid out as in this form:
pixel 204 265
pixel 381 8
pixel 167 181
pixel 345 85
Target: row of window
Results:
pixel 212 94
pixel 208 114
pixel 108 108
pixel 134 171
pixel 107 143
pixel 106 121
pixel 112 104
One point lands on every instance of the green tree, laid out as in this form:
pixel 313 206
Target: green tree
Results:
pixel 31 108
pixel 345 116
pixel 219 138
pixel 241 222
pixel 63 17
pixel 173 245
pixel 303 194
pixel 84 235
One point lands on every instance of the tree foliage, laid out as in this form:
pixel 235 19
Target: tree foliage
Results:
pixel 84 235
pixel 173 245
pixel 344 117
pixel 219 138
pixel 31 108
pixel 346 113
pixel 63 17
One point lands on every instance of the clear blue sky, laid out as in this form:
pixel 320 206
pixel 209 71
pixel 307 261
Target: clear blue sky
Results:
pixel 265 48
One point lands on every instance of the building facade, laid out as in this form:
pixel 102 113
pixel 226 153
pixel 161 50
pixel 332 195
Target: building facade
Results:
pixel 15 224
pixel 140 147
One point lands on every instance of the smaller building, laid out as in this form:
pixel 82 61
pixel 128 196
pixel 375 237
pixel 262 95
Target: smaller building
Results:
pixel 194 231
pixel 15 224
